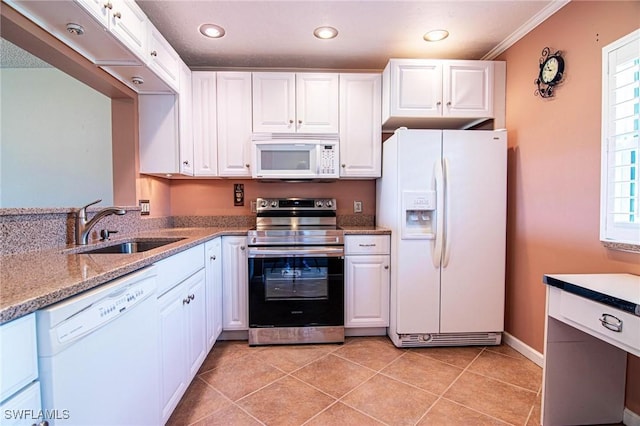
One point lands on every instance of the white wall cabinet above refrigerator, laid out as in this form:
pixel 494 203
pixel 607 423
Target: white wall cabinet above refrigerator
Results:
pixel 295 102
pixel 431 93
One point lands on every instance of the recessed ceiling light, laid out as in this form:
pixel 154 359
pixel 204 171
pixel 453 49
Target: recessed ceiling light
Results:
pixel 212 30
pixel 325 32
pixel 436 35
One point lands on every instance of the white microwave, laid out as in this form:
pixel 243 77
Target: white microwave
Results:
pixel 295 156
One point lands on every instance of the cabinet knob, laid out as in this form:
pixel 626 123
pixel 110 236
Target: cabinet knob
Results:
pixel 386 266
pixel 192 296
pixel 186 300
pixel 242 247
pixel 343 165
pixel 108 5
pixel 246 165
pixel 154 53
pixel 213 257
pixel 117 15
pixel 290 121
pixel 449 103
pixel 438 103
pixel 185 162
pixel 299 121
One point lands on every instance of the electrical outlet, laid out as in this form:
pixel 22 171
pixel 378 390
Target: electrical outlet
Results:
pixel 357 206
pixel 145 207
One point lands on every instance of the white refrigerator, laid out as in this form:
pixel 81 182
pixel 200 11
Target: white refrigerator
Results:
pixel 443 195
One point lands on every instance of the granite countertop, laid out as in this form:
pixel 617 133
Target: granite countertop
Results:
pixel 33 280
pixel 621 291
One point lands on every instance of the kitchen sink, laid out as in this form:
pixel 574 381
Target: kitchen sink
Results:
pixel 134 246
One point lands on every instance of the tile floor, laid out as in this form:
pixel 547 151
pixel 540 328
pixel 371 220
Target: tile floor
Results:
pixel 366 381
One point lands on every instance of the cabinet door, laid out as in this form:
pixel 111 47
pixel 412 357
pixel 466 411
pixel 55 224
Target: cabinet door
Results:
pixel 173 350
pixel 213 273
pixel 234 123
pixel 367 291
pixel 19 360
pixel 196 322
pixel 415 88
pixel 235 284
pixel 274 102
pixel 316 103
pixel 99 9
pixel 158 124
pixel 25 402
pixel 185 121
pixel 162 59
pixel 205 139
pixel 128 23
pixel 468 89
pixel 360 124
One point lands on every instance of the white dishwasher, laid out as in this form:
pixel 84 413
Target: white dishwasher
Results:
pixel 98 355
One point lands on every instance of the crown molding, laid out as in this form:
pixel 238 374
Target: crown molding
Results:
pixel 528 26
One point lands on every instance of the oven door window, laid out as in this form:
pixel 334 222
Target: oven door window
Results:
pixel 304 280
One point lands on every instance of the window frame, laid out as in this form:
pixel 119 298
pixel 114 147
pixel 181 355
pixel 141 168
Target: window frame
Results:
pixel 617 236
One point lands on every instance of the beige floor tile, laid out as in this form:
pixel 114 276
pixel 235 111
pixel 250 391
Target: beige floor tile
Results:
pixel 519 372
pixel 285 402
pixel 230 416
pixel 497 399
pixel 372 352
pixel 534 417
pixel 226 351
pixel 334 375
pixel 241 376
pixel 290 358
pixel 390 401
pixel 505 350
pixel 341 415
pixel 199 401
pixel 458 356
pixel 446 412
pixel 424 372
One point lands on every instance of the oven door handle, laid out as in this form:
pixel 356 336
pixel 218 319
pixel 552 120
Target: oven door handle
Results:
pixel 296 251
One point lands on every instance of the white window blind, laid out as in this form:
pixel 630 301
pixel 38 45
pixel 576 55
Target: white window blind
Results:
pixel 620 200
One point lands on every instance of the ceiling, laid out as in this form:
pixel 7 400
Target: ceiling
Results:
pixel 279 34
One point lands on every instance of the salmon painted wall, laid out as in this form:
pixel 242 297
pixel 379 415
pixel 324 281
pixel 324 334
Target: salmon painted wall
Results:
pixel 215 197
pixel 554 165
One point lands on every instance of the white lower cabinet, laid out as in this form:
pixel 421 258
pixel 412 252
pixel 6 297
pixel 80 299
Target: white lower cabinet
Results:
pixel 367 261
pixel 235 302
pixel 183 325
pixel 213 274
pixel 19 386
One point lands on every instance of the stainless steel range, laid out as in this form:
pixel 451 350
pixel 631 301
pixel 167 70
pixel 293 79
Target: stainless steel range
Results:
pixel 296 273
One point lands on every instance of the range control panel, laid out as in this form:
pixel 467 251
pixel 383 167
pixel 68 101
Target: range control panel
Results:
pixel 292 204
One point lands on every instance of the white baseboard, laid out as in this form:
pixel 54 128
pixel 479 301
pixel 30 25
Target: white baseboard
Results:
pixel 630 418
pixel 523 348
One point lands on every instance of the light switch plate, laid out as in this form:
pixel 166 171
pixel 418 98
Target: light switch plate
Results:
pixel 357 206
pixel 145 207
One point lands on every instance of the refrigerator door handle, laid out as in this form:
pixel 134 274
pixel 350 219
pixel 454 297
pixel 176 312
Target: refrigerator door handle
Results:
pixel 439 231
pixel 446 224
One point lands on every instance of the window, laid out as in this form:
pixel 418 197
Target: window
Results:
pixel 620 188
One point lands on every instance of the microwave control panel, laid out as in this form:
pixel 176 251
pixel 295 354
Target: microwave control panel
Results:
pixel 328 160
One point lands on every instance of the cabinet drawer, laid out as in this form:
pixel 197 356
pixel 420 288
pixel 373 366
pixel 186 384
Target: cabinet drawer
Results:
pixel 366 244
pixel 178 267
pixel 622 330
pixel 18 355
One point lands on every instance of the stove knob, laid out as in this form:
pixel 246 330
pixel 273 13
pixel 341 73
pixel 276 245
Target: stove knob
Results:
pixel 274 204
pixel 328 203
pixel 319 203
pixel 263 203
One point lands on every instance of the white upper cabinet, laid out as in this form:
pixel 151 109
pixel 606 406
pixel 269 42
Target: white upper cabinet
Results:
pixel 205 136
pixel 234 123
pixel 290 103
pixel 360 125
pixel 158 129
pixel 124 19
pixel 162 59
pixel 425 93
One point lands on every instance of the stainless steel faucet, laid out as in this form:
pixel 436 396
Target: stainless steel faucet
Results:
pixel 84 226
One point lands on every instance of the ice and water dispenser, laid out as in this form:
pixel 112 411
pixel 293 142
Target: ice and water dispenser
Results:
pixel 419 215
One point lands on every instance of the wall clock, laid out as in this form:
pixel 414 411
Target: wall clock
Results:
pixel 550 74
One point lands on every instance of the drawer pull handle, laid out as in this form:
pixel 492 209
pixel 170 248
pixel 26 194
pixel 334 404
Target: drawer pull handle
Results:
pixel 367 245
pixel 611 323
